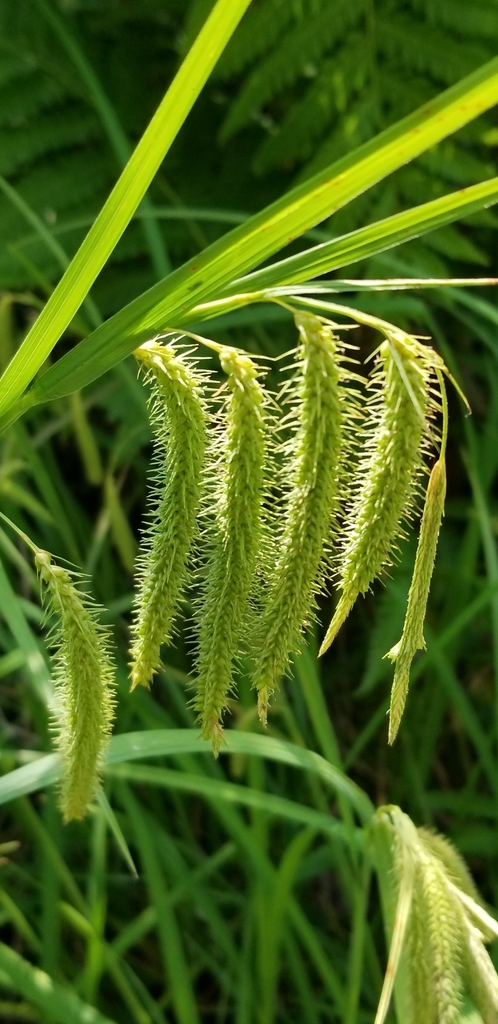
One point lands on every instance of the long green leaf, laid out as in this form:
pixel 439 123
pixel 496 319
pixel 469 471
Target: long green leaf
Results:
pixel 57 1003
pixel 166 742
pixel 375 238
pixel 12 611
pixel 232 793
pixel 174 957
pixel 123 200
pixel 30 778
pixel 112 125
pixel 170 302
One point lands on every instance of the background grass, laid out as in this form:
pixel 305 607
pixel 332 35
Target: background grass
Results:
pixel 243 909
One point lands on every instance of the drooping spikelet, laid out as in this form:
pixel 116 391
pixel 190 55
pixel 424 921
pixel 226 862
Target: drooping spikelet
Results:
pixel 444 958
pixel 179 422
pixel 479 974
pixel 387 474
pixel 84 681
pixel 311 505
pixel 392 838
pixel 236 538
pixel 454 865
pixel 471 971
pixel 443 939
pixel 412 638
pixel 422 995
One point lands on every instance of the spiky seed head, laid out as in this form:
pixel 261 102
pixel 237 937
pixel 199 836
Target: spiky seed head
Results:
pixel 412 638
pixel 422 995
pixel 479 974
pixel 443 941
pixel 454 865
pixel 179 423
pixel 84 685
pixel 311 506
pixel 233 539
pixel 443 957
pixel 388 473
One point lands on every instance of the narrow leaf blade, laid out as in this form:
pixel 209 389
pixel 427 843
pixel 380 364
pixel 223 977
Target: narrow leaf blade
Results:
pixel 169 304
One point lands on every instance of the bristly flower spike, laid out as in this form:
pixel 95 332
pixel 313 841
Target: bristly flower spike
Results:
pixel 235 532
pixel 412 638
pixel 84 683
pixel 443 958
pixel 388 473
pixel 312 503
pixel 179 423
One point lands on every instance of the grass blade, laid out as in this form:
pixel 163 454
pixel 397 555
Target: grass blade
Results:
pixel 116 831
pixel 112 125
pixel 373 239
pixel 60 1005
pixel 12 611
pixel 169 303
pixel 215 789
pixel 123 200
pixel 164 742
pixel 176 967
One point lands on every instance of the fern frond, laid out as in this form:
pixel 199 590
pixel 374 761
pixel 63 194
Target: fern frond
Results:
pixel 455 165
pixel 328 95
pixel 417 47
pixel 356 126
pixel 13 68
pixel 61 184
pixel 23 97
pixel 304 45
pixel 479 21
pixel 397 42
pixel 60 129
pixel 260 28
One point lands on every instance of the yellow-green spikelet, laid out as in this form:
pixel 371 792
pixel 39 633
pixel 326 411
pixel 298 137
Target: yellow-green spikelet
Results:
pixel 84 681
pixel 311 505
pixel 455 868
pixel 179 421
pixel 443 956
pixel 412 638
pixel 386 474
pixel 235 541
pixel 479 974
pixel 443 934
pixel 422 1003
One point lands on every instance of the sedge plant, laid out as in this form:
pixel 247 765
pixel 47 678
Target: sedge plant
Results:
pixel 255 511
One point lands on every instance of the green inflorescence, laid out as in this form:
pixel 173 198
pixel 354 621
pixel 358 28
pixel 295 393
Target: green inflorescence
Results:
pixel 84 680
pixel 322 497
pixel 443 959
pixel 268 522
pixel 312 503
pixel 440 914
pixel 479 974
pixel 388 471
pixel 179 421
pixel 234 539
pixel 412 638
